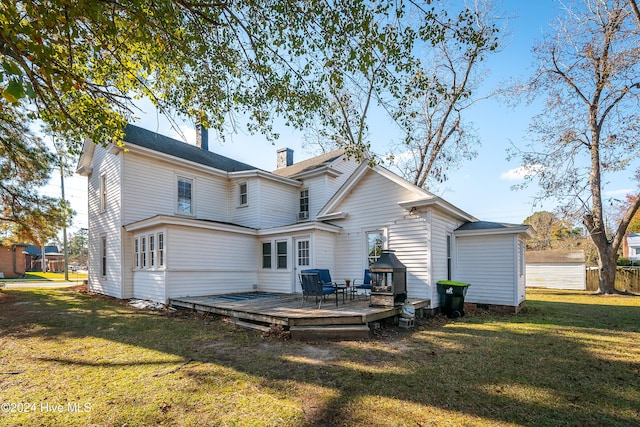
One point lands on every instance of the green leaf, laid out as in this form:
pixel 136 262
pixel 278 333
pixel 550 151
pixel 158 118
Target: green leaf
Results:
pixel 13 92
pixel 11 68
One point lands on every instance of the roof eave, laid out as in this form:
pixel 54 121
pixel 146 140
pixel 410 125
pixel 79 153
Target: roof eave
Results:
pixel 323 170
pixel 165 220
pixel 442 204
pixel 257 173
pixel 523 230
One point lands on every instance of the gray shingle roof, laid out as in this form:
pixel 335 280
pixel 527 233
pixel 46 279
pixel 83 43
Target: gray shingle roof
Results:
pixel 487 225
pixel 163 144
pixel 309 164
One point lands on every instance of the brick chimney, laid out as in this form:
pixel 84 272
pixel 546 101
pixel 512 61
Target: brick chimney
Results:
pixel 202 137
pixel 285 158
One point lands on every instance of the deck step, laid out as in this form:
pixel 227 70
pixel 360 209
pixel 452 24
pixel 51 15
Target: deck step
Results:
pixel 248 325
pixel 334 332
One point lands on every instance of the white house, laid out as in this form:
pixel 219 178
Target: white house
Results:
pixel 168 219
pixel 633 246
pixel 557 269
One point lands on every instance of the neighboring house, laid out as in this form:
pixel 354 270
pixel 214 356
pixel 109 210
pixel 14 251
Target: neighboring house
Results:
pixel 168 219
pixel 557 269
pixel 12 261
pixel 54 259
pixel 632 247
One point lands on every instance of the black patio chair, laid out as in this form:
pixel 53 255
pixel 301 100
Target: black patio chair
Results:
pixel 311 286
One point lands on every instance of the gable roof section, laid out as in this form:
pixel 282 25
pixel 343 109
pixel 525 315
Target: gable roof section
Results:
pixel 481 228
pixel 317 164
pixel 163 144
pixel 423 198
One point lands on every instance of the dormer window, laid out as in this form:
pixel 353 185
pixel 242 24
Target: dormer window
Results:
pixel 303 213
pixel 244 197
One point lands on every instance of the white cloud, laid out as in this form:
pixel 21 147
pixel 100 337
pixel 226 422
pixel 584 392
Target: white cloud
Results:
pixel 520 173
pixel 622 191
pixel 186 134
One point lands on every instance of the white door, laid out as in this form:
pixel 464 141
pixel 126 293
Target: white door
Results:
pixel 302 261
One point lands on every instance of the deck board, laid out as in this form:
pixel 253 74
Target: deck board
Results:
pixel 285 310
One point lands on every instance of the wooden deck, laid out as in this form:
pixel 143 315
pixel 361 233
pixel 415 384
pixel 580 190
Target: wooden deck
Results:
pixel 284 310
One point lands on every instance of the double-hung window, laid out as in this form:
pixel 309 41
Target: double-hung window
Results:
pixel 143 252
pixel 185 187
pixel 243 194
pixel 304 204
pixel 149 251
pixel 152 250
pixel 136 251
pixel 266 255
pixel 281 254
pixel 160 249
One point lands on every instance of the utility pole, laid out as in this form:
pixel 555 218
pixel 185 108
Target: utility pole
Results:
pixel 64 225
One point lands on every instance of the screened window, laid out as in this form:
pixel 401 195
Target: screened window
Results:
pixel 281 249
pixel 375 241
pixel 266 255
pixel 244 198
pixel 184 195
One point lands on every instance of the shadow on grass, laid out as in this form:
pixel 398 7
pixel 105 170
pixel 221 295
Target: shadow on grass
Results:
pixel 547 366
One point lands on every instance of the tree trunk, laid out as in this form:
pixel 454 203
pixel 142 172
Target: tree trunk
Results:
pixel 607 282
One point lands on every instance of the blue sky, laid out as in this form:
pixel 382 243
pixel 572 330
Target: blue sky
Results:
pixel 482 187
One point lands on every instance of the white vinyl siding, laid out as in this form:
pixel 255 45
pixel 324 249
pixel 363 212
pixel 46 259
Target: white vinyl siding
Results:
pixel 272 204
pixel 105 223
pixel 249 215
pixel 224 262
pixel 150 188
pixel 489 264
pixel 373 205
pixel 557 275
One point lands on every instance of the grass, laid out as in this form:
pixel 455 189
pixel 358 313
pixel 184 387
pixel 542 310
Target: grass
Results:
pixel 70 358
pixel 38 276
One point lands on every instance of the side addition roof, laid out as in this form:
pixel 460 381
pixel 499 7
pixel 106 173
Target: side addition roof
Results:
pixel 479 228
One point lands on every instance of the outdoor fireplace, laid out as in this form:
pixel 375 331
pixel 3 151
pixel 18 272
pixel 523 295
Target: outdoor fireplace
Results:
pixel 388 281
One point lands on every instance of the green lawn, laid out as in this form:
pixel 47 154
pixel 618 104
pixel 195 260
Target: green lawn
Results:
pixel 36 276
pixel 70 358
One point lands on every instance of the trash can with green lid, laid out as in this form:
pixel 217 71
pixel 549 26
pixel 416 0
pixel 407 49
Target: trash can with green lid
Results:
pixel 452 297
